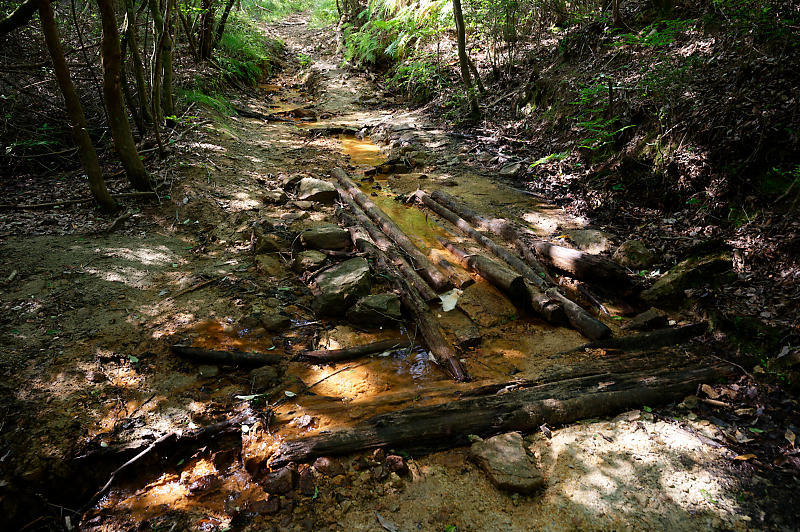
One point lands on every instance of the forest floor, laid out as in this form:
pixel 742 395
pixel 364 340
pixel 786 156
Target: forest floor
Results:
pixel 89 317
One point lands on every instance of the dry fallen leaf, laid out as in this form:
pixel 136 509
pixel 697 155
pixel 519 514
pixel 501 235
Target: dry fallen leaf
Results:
pixel 790 437
pixel 744 457
pixel 709 391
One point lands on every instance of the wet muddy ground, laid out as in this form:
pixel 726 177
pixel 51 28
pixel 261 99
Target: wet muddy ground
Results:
pixel 90 319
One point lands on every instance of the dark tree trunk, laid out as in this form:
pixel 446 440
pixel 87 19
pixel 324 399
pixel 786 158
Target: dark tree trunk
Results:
pixel 74 109
pixel 112 93
pixel 206 44
pixel 222 21
pixel 19 17
pixel 136 64
pixel 463 60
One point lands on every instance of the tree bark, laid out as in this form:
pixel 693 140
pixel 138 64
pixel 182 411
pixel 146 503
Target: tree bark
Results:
pixel 222 21
pixel 667 337
pixel 136 62
pixel 457 276
pixel 206 41
pixel 463 60
pixel 112 94
pixel 427 325
pixel 19 17
pixel 349 353
pixel 72 103
pixel 448 425
pixel 420 261
pixel 227 358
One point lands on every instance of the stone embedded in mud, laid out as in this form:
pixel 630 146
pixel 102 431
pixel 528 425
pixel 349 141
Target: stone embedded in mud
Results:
pixel 275 321
pixel 511 170
pixel 263 378
pixel 279 482
pixel 312 189
pixel 327 236
pixel 207 371
pixel 634 255
pixel 265 506
pixel 649 319
pixel 307 484
pixel 266 243
pixel 486 306
pixel 290 181
pixel 303 205
pixel 339 287
pixel 308 261
pixel 328 467
pixel 591 240
pixel 507 464
pixel 376 311
pixel 687 274
pixel 396 464
pixel 270 265
pixel 275 196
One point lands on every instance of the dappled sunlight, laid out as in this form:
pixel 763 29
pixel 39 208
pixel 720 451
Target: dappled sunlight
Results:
pixel 243 201
pixel 148 256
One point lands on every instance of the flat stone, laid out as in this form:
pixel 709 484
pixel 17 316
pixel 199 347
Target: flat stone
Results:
pixel 376 311
pixel 308 261
pixel 290 181
pixel 267 243
pixel 312 189
pixel 327 236
pixel 507 464
pixel 275 321
pixel 634 254
pixel 328 467
pixel 687 274
pixel 591 240
pixel 279 482
pixel 511 170
pixel 207 371
pixel 275 196
pixel 649 319
pixel 264 506
pixel 270 265
pixel 304 205
pixel 341 286
pixel 486 306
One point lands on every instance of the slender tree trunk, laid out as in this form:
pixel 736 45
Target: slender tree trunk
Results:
pixel 616 14
pixel 126 89
pixel 112 93
pixel 189 34
pixel 136 62
pixel 463 60
pixel 74 109
pixel 222 21
pixel 168 46
pixel 19 17
pixel 206 29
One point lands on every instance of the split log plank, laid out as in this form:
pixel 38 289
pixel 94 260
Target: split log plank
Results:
pixel 667 337
pixel 227 358
pixel 349 353
pixel 579 264
pixel 420 261
pixel 448 425
pixel 459 278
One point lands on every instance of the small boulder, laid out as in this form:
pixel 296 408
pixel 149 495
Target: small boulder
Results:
pixel 687 274
pixel 312 189
pixel 290 181
pixel 275 321
pixel 264 378
pixel 327 236
pixel 264 506
pixel 328 467
pixel 591 240
pixel 267 243
pixel 376 311
pixel 279 482
pixel 511 170
pixel 270 265
pixel 649 319
pixel 634 255
pixel 339 287
pixel 275 196
pixel 308 261
pixel 507 464
pixel 207 371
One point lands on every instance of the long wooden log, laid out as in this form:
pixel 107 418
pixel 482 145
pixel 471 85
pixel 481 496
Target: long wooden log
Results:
pixel 666 337
pixel 383 243
pixel 510 282
pixel 420 261
pixel 449 424
pixel 458 277
pixel 579 264
pixel 349 353
pixel 584 322
pixel 438 347
pixel 227 358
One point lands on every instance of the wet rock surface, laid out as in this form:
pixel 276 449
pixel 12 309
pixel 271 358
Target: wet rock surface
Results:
pixel 340 286
pixel 327 236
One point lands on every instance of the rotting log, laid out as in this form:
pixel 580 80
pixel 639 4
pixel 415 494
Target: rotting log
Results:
pixel 438 347
pixel 537 284
pixel 350 353
pixel 388 247
pixel 438 281
pixel 227 358
pixel 458 277
pixel 666 337
pixel 577 263
pixel 510 282
pixel 448 425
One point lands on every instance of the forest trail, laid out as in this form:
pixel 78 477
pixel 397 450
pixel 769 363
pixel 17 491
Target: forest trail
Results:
pixel 91 319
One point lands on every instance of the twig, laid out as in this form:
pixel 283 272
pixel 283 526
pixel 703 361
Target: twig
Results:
pixel 122 218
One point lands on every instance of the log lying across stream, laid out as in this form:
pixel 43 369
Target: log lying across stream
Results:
pixel 415 305
pixel 227 358
pixel 579 264
pixel 349 353
pixel 537 283
pixel 448 425
pixel 421 262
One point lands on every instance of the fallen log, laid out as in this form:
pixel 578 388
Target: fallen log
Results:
pixel 448 425
pixel 458 277
pixel 510 282
pixel 349 353
pixel 579 264
pixel 584 322
pixel 667 337
pixel 419 260
pixel 438 347
pixel 227 358
pixel 383 243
